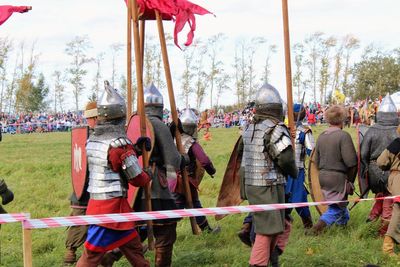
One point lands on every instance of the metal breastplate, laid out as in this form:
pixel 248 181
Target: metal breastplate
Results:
pixel 103 182
pixel 260 170
pixel 187 142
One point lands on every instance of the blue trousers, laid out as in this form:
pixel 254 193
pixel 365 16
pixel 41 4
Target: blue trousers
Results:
pixel 336 215
pixel 296 192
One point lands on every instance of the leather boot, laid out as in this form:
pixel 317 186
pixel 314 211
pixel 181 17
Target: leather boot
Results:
pixel 388 246
pixel 383 229
pixel 244 234
pixel 111 257
pixel 307 222
pixel 274 258
pixel 163 256
pixel 6 194
pixel 316 229
pixel 69 257
pixel 205 227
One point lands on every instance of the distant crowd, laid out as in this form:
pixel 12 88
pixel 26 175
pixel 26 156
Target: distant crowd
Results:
pixel 359 112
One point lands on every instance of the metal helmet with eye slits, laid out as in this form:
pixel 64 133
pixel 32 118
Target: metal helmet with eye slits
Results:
pixel 269 102
pixel 189 122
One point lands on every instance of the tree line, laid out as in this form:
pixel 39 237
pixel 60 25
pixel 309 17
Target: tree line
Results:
pixel 322 66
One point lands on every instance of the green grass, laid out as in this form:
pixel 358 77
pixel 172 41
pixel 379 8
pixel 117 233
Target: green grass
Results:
pixel 37 168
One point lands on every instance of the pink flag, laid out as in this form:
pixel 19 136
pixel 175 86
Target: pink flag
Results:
pixel 181 11
pixel 7 11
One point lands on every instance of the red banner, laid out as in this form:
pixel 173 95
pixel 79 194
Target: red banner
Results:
pixel 7 11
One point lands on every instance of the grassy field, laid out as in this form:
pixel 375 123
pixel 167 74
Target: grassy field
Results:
pixel 37 168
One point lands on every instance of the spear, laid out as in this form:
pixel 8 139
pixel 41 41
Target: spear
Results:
pixel 140 110
pixel 174 113
pixel 289 94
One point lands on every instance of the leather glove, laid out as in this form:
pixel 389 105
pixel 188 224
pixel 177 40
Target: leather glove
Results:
pixel 140 142
pixel 172 128
pixel 6 194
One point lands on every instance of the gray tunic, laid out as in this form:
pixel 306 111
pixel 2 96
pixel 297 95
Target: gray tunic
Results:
pixel 335 156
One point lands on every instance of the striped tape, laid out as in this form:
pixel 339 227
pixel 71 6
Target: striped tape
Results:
pixel 13 217
pixel 170 214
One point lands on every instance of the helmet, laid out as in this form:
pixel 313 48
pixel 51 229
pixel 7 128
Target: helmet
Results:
pixel 111 105
pixel 387 112
pixel 269 102
pixel 299 109
pixel 189 122
pixel 153 101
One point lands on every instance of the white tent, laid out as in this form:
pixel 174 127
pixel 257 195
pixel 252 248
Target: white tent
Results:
pixel 396 100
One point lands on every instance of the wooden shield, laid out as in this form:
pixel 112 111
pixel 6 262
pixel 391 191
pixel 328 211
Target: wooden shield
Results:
pixel 133 133
pixel 229 193
pixel 313 181
pixel 362 181
pixel 79 170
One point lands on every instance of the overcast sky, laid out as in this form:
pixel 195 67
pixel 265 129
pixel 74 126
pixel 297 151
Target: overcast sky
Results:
pixel 53 23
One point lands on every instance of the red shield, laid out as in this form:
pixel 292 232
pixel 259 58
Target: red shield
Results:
pixel 133 133
pixel 79 171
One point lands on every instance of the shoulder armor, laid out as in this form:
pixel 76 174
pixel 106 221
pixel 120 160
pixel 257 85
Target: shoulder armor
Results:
pixel 309 140
pixel 120 142
pixel 280 139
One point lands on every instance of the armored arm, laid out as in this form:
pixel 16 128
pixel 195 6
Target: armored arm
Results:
pixel 279 147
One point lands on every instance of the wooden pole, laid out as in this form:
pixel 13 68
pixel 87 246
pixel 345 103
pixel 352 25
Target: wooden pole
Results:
pixel 27 246
pixel 141 112
pixel 174 113
pixel 142 40
pixel 289 94
pixel 129 62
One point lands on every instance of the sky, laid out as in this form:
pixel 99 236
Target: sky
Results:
pixel 54 23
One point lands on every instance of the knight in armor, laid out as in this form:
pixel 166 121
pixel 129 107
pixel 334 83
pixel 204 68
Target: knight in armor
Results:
pixel 76 235
pixel 199 162
pixel 375 140
pixel 112 163
pixel 268 158
pixel 389 160
pixel 165 161
pixel 336 160
pixel 304 144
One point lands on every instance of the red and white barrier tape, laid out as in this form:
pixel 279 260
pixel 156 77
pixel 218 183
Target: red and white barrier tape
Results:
pixel 14 217
pixel 169 214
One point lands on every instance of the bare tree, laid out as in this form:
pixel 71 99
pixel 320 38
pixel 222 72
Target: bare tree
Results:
pixel 324 76
pixel 77 49
pixel 338 58
pixel 187 75
pixel 251 50
pixel 222 85
pixel 241 73
pixel 267 67
pixel 201 82
pixel 97 83
pixel 213 48
pixel 58 91
pixel 115 49
pixel 313 43
pixel 298 52
pixel 5 49
pixel 350 43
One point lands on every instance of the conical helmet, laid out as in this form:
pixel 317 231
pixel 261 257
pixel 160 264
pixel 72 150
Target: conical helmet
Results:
pixel 189 122
pixel 111 105
pixel 269 102
pixel 153 101
pixel 387 112
pixel 152 96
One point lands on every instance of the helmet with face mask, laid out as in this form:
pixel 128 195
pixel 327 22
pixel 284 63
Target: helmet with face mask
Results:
pixel 189 122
